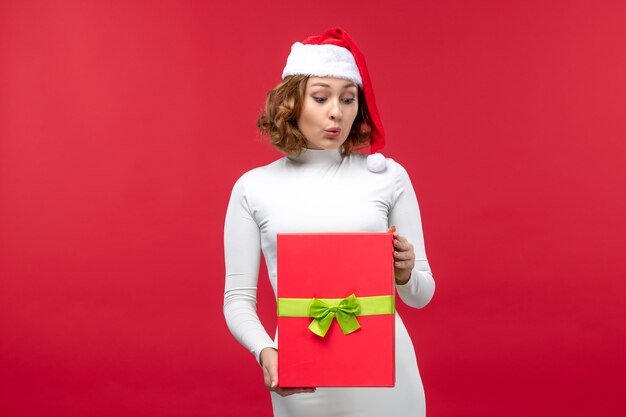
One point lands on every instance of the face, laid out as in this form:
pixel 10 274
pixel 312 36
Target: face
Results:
pixel 328 111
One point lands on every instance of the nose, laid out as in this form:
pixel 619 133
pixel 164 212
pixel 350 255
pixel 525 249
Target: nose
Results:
pixel 335 112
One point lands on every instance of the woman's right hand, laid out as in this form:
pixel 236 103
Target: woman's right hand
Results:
pixel 269 362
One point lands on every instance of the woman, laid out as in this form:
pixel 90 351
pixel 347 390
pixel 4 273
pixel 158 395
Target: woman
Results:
pixel 322 111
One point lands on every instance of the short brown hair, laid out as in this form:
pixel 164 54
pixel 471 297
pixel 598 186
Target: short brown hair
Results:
pixel 282 109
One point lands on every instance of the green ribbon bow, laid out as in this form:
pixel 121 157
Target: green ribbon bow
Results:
pixel 323 315
pixel 345 310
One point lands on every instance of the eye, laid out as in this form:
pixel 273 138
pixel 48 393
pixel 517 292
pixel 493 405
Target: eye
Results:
pixel 319 99
pixel 348 100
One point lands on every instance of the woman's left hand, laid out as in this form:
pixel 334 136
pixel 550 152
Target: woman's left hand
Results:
pixel 404 258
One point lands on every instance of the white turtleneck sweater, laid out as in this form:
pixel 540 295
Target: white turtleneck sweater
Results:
pixel 317 191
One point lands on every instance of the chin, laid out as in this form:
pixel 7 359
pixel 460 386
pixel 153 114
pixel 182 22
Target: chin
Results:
pixel 325 143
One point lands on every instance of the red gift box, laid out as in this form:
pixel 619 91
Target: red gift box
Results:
pixel 335 266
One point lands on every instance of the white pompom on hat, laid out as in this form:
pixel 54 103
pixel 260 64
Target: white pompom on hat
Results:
pixel 376 162
pixel 335 54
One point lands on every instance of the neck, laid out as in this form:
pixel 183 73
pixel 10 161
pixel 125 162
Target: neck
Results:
pixel 317 156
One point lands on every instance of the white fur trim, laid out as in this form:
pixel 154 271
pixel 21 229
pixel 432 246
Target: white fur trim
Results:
pixel 376 162
pixel 322 61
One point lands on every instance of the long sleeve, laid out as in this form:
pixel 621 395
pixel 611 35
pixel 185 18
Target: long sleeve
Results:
pixel 242 251
pixel 405 215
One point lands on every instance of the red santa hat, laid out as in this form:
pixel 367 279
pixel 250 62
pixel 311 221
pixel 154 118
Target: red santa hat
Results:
pixel 335 54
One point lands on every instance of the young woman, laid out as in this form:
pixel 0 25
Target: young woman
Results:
pixel 318 115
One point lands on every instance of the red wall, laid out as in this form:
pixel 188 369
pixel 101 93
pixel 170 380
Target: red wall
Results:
pixel 123 126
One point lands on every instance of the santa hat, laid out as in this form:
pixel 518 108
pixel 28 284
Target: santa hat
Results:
pixel 335 54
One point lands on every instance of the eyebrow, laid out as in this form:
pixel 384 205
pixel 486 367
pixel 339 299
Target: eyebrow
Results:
pixel 320 84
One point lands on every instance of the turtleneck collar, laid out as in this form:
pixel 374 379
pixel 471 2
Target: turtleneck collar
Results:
pixel 315 156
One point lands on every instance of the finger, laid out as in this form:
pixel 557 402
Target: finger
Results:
pixel 399 237
pixel 404 264
pixel 273 371
pixel 392 229
pixel 402 245
pixel 403 256
pixel 266 378
pixel 284 392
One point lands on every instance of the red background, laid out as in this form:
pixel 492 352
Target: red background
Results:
pixel 123 126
